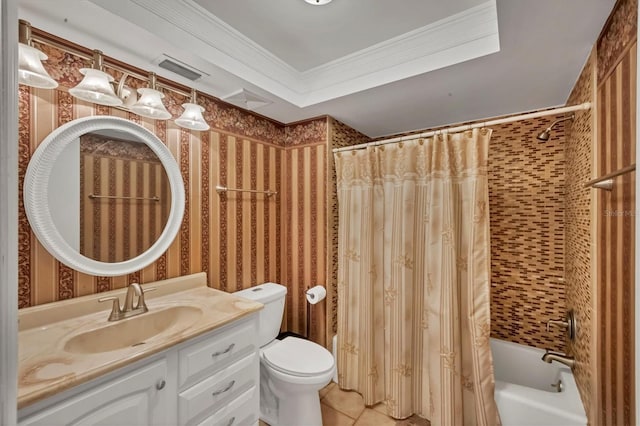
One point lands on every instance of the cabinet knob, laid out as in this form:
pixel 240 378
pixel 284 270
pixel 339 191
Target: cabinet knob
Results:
pixel 160 385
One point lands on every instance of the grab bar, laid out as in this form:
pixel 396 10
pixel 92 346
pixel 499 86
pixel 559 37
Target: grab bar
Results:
pixel 606 182
pixel 220 189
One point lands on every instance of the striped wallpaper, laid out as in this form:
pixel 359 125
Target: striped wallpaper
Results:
pixel 304 234
pixel 615 241
pixel 233 237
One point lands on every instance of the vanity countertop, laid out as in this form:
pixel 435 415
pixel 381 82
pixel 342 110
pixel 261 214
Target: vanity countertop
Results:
pixel 47 367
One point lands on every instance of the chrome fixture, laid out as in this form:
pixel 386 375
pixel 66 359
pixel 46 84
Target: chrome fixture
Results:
pixel 128 310
pixel 606 182
pixel 150 103
pixel 192 118
pixel 96 85
pixel 545 134
pixel 569 323
pixel 550 356
pixel 31 72
pixel 559 387
pixel 220 189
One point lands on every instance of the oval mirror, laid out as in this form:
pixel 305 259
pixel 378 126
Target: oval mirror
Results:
pixel 104 195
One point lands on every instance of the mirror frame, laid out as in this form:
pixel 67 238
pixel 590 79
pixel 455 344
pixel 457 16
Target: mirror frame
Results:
pixel 36 199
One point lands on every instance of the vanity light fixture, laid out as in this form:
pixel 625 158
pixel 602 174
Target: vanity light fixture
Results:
pixel 96 85
pixel 31 72
pixel 192 117
pixel 150 103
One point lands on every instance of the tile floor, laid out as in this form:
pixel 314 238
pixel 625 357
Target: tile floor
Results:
pixel 344 408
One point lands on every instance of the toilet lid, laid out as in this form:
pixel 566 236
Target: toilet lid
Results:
pixel 299 357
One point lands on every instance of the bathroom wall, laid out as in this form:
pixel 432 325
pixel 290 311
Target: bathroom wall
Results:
pixel 238 239
pixel 600 232
pixel 615 216
pixel 233 237
pixel 304 223
pixel 526 199
pixel 580 286
pixel 310 222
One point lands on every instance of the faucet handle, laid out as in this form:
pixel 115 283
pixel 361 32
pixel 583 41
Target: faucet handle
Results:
pixel 559 323
pixel 141 303
pixel 116 312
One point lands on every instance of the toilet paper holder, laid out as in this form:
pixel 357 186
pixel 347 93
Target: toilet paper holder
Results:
pixel 313 297
pixel 315 294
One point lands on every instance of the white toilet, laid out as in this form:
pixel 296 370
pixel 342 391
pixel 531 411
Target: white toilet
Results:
pixel 292 370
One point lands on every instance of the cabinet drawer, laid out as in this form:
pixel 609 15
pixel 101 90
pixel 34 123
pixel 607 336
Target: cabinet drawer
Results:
pixel 211 393
pixel 201 359
pixel 242 411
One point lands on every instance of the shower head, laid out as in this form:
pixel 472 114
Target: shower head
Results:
pixel 546 133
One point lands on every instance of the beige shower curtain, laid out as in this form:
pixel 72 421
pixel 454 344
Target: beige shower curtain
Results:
pixel 413 278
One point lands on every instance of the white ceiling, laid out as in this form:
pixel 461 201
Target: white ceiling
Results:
pixel 305 36
pixel 380 66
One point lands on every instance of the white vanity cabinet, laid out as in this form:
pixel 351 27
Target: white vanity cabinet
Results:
pixel 136 398
pixel 212 379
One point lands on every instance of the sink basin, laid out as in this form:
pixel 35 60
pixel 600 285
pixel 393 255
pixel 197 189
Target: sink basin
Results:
pixel 134 331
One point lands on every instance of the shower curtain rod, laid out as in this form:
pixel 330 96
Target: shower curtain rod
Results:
pixel 477 125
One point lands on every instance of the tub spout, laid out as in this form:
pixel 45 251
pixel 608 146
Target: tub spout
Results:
pixel 561 358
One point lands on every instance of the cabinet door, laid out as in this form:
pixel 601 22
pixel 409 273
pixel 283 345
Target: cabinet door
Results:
pixel 136 398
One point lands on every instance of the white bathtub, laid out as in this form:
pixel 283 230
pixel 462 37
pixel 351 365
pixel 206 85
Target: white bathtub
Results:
pixel 523 388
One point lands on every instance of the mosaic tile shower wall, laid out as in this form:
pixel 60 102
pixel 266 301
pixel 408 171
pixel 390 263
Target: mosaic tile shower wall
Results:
pixel 578 232
pixel 526 197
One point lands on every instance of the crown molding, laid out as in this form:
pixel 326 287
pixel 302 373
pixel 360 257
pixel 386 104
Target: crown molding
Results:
pixel 185 23
pixel 467 35
pixel 461 37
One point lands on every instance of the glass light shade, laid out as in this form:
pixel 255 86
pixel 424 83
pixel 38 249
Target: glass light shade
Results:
pixel 95 87
pixel 31 72
pixel 150 105
pixel 318 2
pixel 192 118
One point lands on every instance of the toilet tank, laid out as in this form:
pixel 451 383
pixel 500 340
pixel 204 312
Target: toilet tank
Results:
pixel 272 296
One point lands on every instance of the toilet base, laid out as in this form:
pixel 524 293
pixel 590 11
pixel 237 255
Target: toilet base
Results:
pixel 294 411
pixel 285 404
pixel 305 410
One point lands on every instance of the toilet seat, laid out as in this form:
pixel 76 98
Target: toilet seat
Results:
pixel 298 357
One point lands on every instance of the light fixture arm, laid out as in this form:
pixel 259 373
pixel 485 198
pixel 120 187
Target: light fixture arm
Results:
pixel 24 32
pixel 98 61
pixel 120 86
pixel 153 81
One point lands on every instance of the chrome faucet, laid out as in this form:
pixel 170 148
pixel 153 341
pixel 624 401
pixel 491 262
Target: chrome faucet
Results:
pixel 567 360
pixel 128 310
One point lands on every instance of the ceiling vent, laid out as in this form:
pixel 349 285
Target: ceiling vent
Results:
pixel 179 67
pixel 247 99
